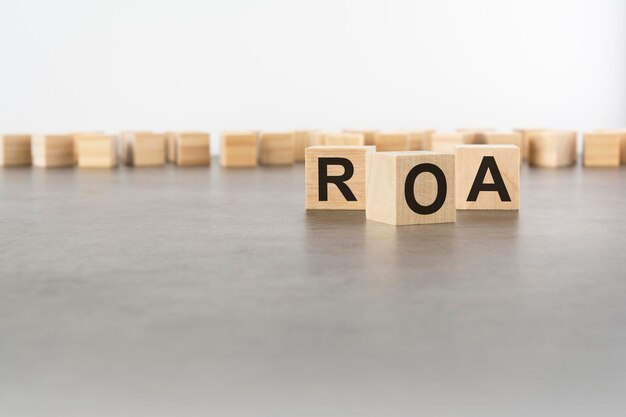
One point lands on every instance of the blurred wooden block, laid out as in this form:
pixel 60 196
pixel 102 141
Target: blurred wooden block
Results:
pixel 391 142
pixel 622 134
pixel 342 139
pixel 420 140
pixel 602 149
pixel 446 142
pixel 75 136
pixel 170 144
pixel 143 149
pixel 239 149
pixel 368 134
pixel 415 187
pixel 53 151
pixel 479 134
pixel 15 150
pixel 192 148
pixel 526 134
pixel 505 138
pixel 302 140
pixel 552 149
pixel 276 148
pixel 96 150
pixel 335 177
pixel 487 177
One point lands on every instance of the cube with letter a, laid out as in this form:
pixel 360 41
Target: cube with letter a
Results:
pixel 487 177
pixel 335 177
pixel 410 187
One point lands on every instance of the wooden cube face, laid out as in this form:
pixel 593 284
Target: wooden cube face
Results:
pixel 147 149
pixel 446 142
pixel 343 139
pixel 487 177
pixel 302 140
pixel 96 151
pixel 526 134
pixel 277 148
pixel 335 177
pixel 602 149
pixel 170 143
pixel 53 151
pixel 368 135
pixel 410 188
pixel 192 148
pixel 15 150
pixel 504 138
pixel 479 134
pixel 420 140
pixel 391 142
pixel 239 150
pixel 552 149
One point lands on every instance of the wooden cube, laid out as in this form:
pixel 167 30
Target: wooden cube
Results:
pixel 76 135
pixel 342 139
pixel 335 177
pixel 143 149
pixel 170 143
pixel 552 148
pixel 302 140
pixel 368 134
pixel 413 187
pixel 446 142
pixel 420 140
pixel 191 148
pixel 96 150
pixel 622 134
pixel 479 134
pixel 15 150
pixel 526 134
pixel 276 148
pixel 53 151
pixel 487 177
pixel 602 149
pixel 239 149
pixel 391 142
pixel 505 138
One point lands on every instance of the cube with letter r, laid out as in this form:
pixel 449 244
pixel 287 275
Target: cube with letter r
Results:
pixel 335 177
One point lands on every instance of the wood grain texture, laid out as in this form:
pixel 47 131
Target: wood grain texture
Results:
pixel 368 134
pixel 302 140
pixel 239 149
pixel 526 134
pixel 602 149
pixel 385 187
pixel 336 200
pixel 15 150
pixel 276 148
pixel 391 141
pixel 52 151
pixel 552 148
pixel 622 134
pixel 143 149
pixel 342 139
pixel 192 148
pixel 420 140
pixel 96 150
pixel 467 164
pixel 446 142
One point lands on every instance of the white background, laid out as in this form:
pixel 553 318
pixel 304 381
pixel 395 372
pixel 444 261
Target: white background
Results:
pixel 276 64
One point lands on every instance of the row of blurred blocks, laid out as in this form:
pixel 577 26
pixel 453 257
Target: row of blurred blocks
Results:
pixel 541 147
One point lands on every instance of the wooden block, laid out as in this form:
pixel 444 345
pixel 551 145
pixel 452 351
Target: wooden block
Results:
pixel 487 177
pixel 75 136
pixel 602 149
pixel 391 142
pixel 239 149
pixel 53 151
pixel 96 150
pixel 446 142
pixel 342 139
pixel 192 148
pixel 302 140
pixel 526 134
pixel 368 134
pixel 170 143
pixel 552 149
pixel 420 140
pixel 622 134
pixel 505 138
pixel 479 134
pixel 413 187
pixel 143 149
pixel 335 177
pixel 276 148
pixel 15 150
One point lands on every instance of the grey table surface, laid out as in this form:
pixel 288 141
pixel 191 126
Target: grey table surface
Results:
pixel 212 292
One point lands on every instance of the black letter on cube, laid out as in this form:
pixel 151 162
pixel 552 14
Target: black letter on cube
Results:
pixel 488 163
pixel 442 189
pixel 339 181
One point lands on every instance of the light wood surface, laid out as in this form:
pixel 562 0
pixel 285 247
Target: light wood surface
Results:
pixel 602 149
pixel 622 134
pixel 52 151
pixel 143 149
pixel 342 139
pixel 500 166
pixel 526 134
pixel 276 148
pixel 192 148
pixel 387 174
pixel 96 150
pixel 335 199
pixel 552 148
pixel 15 150
pixel 302 140
pixel 446 142
pixel 391 141
pixel 239 149
pixel 368 134
pixel 420 140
